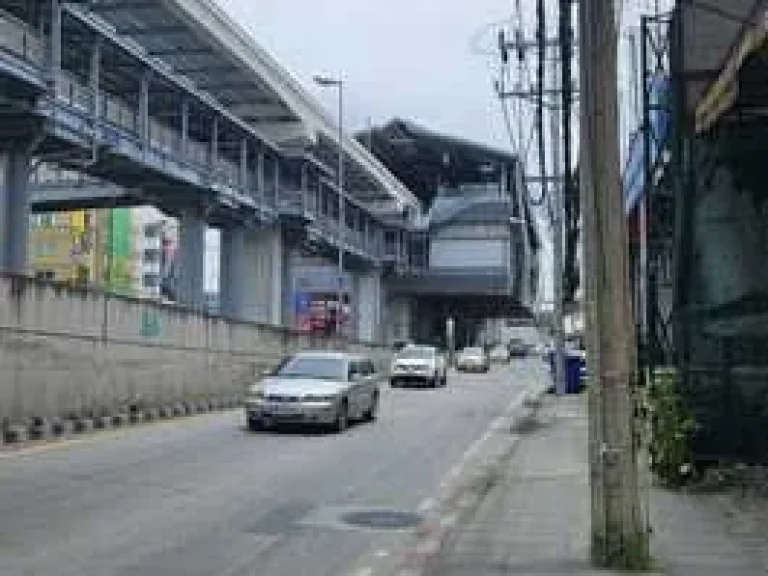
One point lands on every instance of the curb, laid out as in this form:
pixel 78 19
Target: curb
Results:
pixel 38 431
pixel 466 486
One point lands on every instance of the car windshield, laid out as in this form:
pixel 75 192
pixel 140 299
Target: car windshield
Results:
pixel 313 367
pixel 416 352
pixel 473 351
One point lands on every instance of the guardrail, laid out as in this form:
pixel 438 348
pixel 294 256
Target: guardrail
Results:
pixel 21 40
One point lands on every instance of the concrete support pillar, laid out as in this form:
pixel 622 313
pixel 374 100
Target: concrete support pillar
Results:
pixel 253 268
pixel 191 253
pixel 369 306
pixel 14 212
pixel 276 258
pixel 398 318
pixel 233 278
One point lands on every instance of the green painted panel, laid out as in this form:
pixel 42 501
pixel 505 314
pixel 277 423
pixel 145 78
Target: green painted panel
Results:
pixel 121 223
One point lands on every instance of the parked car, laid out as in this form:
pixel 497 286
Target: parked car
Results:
pixel 419 365
pixel 325 388
pixel 473 359
pixel 519 349
pixel 499 354
pixel 399 345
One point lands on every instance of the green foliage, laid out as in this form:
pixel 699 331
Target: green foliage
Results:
pixel 671 427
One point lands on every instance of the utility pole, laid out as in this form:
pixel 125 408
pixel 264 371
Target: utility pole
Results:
pixel 558 214
pixel 619 531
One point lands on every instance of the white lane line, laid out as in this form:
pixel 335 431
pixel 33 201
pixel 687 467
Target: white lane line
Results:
pixel 364 572
pixel 263 543
pixel 381 553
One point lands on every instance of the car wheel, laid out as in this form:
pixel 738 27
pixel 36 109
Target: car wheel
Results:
pixel 435 381
pixel 373 410
pixel 255 425
pixel 342 418
pixel 444 381
pixel 393 383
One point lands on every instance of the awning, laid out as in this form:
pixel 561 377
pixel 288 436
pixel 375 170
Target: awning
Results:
pixel 723 92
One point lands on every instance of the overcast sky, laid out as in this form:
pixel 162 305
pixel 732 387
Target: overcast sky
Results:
pixel 407 58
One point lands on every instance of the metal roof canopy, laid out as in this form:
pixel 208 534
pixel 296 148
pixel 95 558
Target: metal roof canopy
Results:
pixel 740 87
pixel 716 42
pixel 196 39
pixel 420 157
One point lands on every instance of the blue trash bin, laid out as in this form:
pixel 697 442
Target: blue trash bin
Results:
pixel 575 366
pixel 573 369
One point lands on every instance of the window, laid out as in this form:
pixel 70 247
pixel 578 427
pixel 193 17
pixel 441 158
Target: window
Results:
pixel 152 230
pixel 45 275
pixel 151 280
pixel 151 255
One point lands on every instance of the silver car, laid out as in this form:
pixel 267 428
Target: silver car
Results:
pixel 473 359
pixel 322 388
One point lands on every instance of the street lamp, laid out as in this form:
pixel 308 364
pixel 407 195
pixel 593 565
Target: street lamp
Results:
pixel 327 82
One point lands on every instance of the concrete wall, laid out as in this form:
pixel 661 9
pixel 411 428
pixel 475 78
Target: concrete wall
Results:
pixel 67 352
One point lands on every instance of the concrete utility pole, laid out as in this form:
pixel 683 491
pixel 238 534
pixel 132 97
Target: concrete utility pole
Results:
pixel 558 215
pixel 619 532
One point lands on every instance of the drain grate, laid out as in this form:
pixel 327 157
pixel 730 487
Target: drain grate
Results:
pixel 381 519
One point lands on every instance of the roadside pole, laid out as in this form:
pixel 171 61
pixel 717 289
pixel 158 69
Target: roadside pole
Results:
pixel 558 211
pixel 619 536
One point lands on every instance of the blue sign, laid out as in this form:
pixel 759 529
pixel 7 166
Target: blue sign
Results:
pixel 301 302
pixel 319 279
pixel 659 117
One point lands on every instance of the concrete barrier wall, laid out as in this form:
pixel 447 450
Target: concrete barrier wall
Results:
pixel 78 353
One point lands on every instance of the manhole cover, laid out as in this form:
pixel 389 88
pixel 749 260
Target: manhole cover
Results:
pixel 382 519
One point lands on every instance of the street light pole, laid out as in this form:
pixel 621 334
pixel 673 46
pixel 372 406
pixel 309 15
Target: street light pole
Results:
pixel 337 83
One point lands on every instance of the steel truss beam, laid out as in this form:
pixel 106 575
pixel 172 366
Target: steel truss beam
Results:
pixel 656 279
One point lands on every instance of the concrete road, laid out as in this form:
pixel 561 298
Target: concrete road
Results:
pixel 203 497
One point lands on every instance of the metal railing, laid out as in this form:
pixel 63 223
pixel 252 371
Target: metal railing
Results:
pixel 21 40
pixel 114 112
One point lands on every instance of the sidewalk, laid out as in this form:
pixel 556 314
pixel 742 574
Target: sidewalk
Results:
pixel 535 519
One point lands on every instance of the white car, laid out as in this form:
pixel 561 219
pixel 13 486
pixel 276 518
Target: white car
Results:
pixel 473 359
pixel 419 366
pixel 500 354
pixel 324 388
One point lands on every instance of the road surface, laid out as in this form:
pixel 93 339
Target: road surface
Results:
pixel 203 497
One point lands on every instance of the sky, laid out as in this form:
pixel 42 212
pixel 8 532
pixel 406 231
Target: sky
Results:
pixel 406 58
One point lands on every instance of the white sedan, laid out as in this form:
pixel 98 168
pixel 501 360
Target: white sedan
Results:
pixel 325 388
pixel 473 359
pixel 420 366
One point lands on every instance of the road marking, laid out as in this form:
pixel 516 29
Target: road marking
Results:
pixel 367 571
pixel 381 553
pixel 263 544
